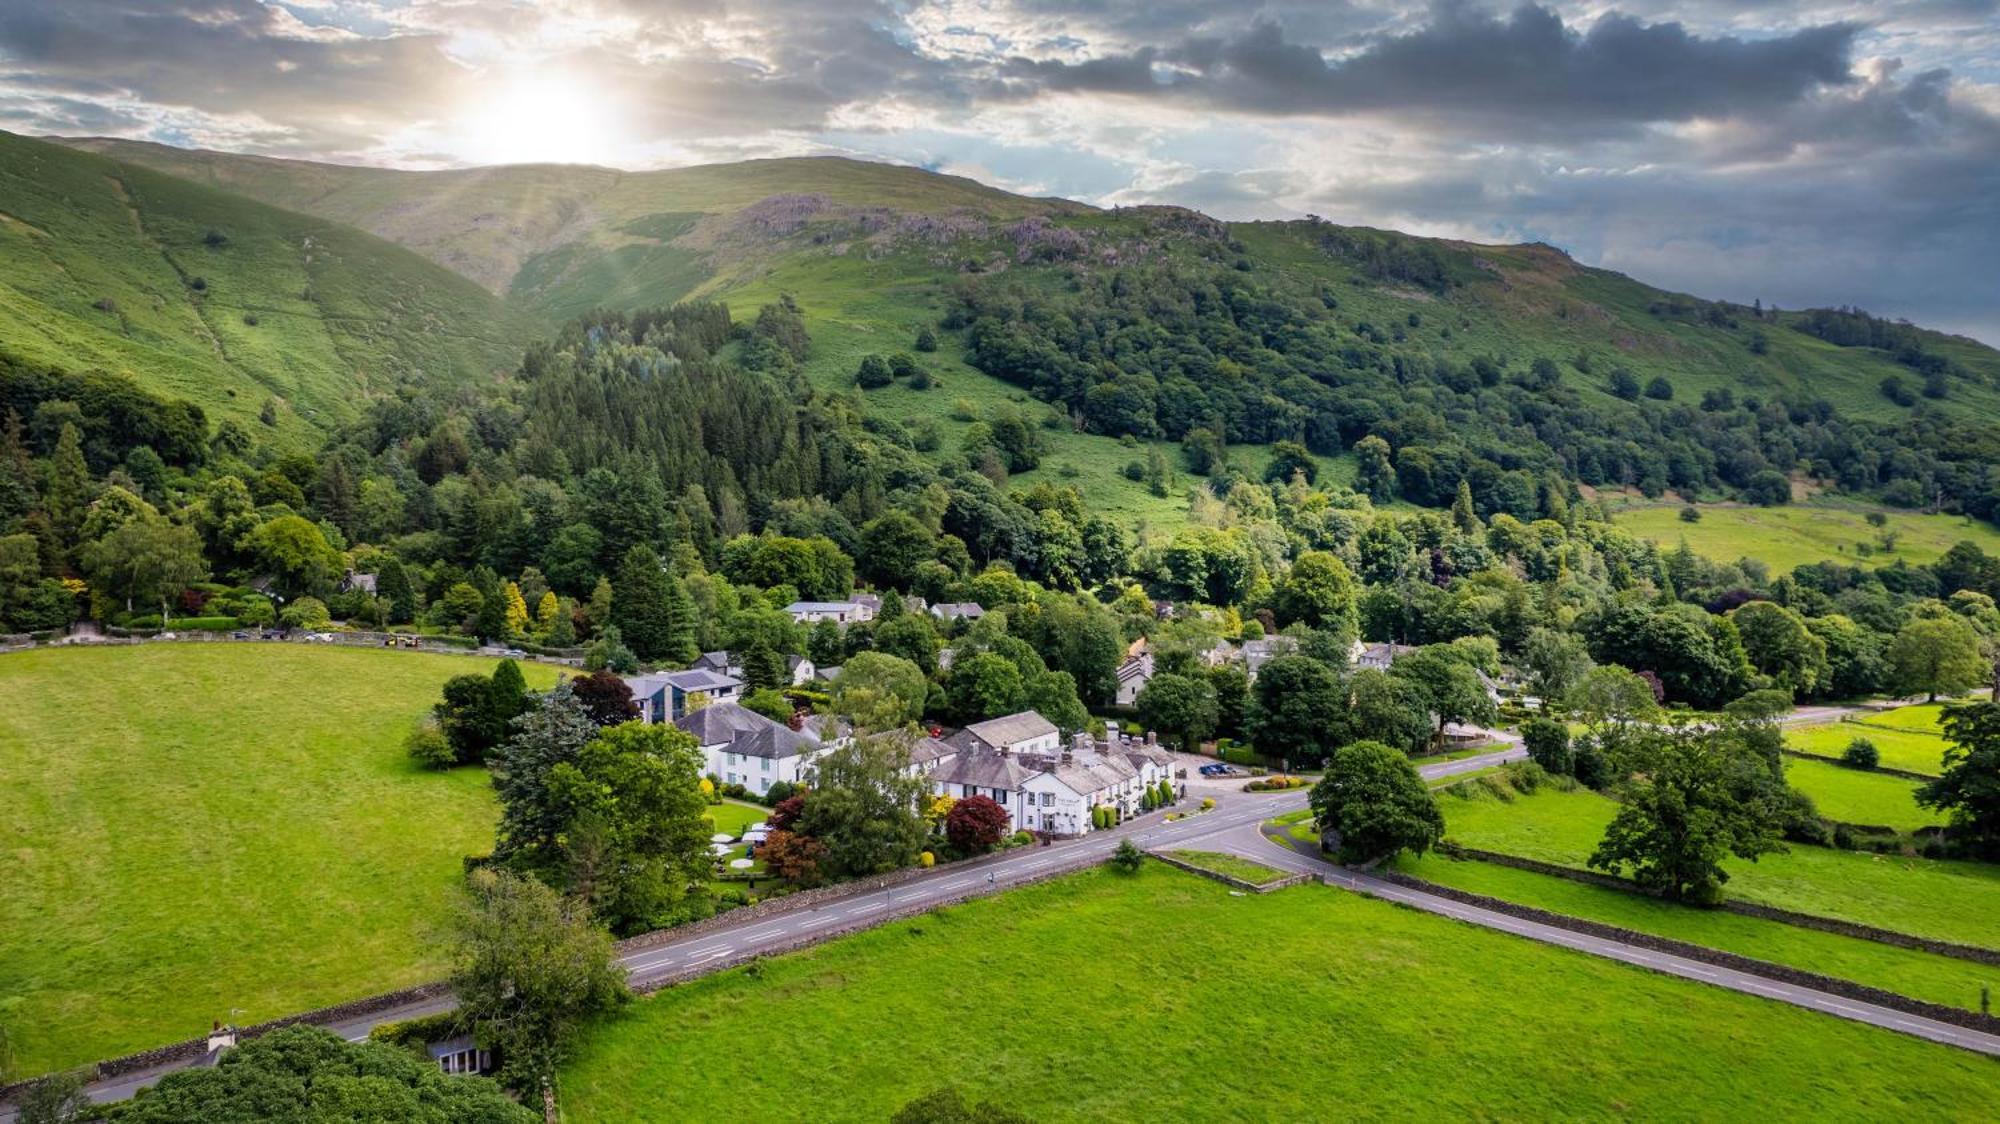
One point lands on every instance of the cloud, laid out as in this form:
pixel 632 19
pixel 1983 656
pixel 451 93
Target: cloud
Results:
pixel 1528 73
pixel 1804 151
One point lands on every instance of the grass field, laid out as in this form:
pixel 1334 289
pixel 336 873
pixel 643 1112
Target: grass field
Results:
pixel 1908 750
pixel 1953 901
pixel 1857 797
pixel 1786 537
pixel 218 831
pixel 1923 718
pixel 1232 866
pixel 1920 975
pixel 1161 996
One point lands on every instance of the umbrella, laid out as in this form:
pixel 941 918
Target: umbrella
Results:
pixel 718 849
pixel 743 864
pixel 722 837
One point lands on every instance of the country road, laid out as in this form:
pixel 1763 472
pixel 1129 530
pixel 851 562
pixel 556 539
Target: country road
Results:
pixel 1232 825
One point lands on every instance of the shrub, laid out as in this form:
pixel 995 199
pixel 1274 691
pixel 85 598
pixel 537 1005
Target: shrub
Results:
pixel 780 792
pixel 926 340
pixel 873 373
pixel 205 624
pixel 927 860
pixel 1022 838
pixel 428 747
pixel 1127 858
pixel 1548 745
pixel 1861 754
pixel 306 612
pixel 1207 802
pixel 1690 514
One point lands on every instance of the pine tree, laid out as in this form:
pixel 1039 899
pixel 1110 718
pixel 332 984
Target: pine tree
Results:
pixel 1462 512
pixel 17 471
pixel 68 494
pixel 546 612
pixel 392 583
pixel 681 648
pixel 652 609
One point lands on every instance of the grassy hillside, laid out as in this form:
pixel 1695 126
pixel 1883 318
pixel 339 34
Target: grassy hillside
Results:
pixel 1786 537
pixel 225 831
pixel 221 301
pixel 1309 1003
pixel 873 251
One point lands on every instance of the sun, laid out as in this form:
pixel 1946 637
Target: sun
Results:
pixel 541 119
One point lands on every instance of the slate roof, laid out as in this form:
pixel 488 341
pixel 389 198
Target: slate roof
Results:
pixel 745 731
pixel 983 769
pixel 1012 729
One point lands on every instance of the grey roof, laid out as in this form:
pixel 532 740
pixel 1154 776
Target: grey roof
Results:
pixel 1012 729
pixel 455 1045
pixel 745 731
pixel 715 661
pixel 701 679
pixel 929 751
pixel 968 609
pixel 822 607
pixel 983 770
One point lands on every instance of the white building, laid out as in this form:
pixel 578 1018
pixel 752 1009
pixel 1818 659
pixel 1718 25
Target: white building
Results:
pixel 1133 675
pixel 741 746
pixel 1026 732
pixel 1047 789
pixel 839 612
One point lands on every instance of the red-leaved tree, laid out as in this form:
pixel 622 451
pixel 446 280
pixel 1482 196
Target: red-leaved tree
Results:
pixel 785 813
pixel 975 823
pixel 793 857
pixel 605 697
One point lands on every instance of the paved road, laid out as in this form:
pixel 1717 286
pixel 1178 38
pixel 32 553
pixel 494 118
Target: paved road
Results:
pixel 1252 844
pixel 1232 825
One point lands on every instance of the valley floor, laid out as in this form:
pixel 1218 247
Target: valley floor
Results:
pixel 1109 997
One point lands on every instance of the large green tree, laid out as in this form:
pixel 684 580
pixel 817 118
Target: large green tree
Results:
pixel 652 610
pixel 1319 593
pixel 863 807
pixel 879 692
pixel 1934 656
pixel 1969 788
pixel 528 969
pixel 1374 801
pixel 1446 685
pixel 1182 706
pixel 146 560
pixel 1296 709
pixel 1695 797
pixel 1781 646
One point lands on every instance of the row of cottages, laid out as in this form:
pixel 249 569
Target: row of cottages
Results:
pixel 1021 763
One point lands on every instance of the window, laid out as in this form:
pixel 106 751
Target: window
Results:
pixel 767 764
pixel 1048 799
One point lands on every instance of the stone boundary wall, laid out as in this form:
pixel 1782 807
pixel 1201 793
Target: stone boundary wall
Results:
pixel 1973 953
pixel 1971 1020
pixel 1882 769
pixel 196 1047
pixel 1229 880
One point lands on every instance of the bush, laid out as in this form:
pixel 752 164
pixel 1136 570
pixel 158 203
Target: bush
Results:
pixel 1861 754
pixel 1690 514
pixel 779 792
pixel 205 624
pixel 927 860
pixel 1022 838
pixel 428 747
pixel 873 372
pixel 1548 745
pixel 1207 802
pixel 306 612
pixel 1127 858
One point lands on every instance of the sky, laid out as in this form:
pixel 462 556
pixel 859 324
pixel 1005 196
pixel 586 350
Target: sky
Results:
pixel 1798 152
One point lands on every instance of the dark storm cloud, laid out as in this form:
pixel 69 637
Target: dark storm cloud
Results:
pixel 1527 72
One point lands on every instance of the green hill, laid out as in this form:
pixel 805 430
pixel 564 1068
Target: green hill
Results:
pixel 227 303
pixel 1516 358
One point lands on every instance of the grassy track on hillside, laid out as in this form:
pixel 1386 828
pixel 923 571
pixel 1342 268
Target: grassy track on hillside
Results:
pixel 1920 975
pixel 1953 901
pixel 1161 996
pixel 1784 538
pixel 1860 797
pixel 219 831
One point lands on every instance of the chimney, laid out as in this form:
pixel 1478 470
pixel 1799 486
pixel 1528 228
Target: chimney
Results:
pixel 1152 739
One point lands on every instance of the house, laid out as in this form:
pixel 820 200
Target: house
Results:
pixel 1133 675
pixel 1216 653
pixel 1025 732
pixel 460 1054
pixel 722 663
pixel 824 676
pixel 839 612
pixel 741 746
pixel 1257 653
pixel 870 602
pixel 949 611
pixel 928 755
pixel 663 695
pixel 800 669
pixel 1377 656
pixel 352 582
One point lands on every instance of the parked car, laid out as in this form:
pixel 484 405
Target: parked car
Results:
pixel 239 636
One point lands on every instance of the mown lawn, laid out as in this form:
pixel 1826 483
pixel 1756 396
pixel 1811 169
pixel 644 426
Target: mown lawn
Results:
pixel 733 816
pixel 1856 796
pixel 1907 750
pixel 1784 538
pixel 219 831
pixel 1920 975
pixel 1161 996
pixel 1953 901
pixel 1232 866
